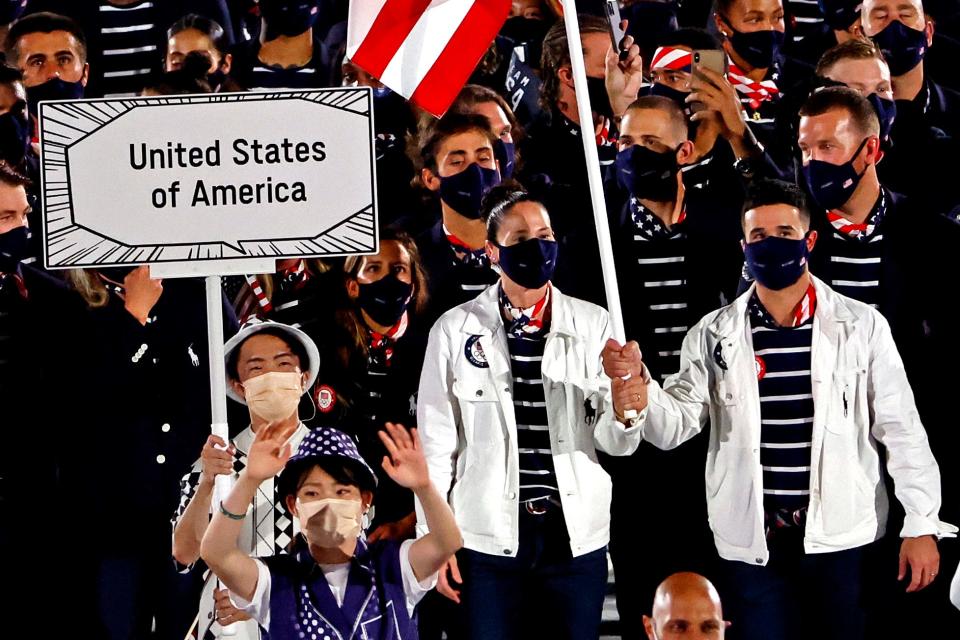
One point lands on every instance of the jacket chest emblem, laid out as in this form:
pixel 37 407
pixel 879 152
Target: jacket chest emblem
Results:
pixel 474 353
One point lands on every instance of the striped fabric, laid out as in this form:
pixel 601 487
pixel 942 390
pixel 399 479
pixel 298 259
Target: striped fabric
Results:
pixel 128 39
pixel 660 255
pixel 857 255
pixel 758 99
pixel 537 477
pixel 805 17
pixel 672 58
pixel 786 408
pixel 264 78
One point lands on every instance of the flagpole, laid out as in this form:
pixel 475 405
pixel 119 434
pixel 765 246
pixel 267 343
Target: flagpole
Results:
pixel 600 219
pixel 593 170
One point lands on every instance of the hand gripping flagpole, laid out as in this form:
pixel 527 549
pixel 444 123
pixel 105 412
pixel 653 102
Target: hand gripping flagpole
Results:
pixel 593 174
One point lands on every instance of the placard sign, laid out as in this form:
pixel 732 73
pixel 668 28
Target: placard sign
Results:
pixel 211 177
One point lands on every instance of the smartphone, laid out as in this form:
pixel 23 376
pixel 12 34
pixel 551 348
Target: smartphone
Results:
pixel 713 59
pixel 617 34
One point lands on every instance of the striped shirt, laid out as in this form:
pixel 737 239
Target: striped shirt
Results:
pixel 128 38
pixel 857 254
pixel 537 477
pixel 660 255
pixel 805 17
pixel 268 78
pixel 786 407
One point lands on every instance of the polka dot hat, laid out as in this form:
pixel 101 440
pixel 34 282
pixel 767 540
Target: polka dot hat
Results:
pixel 324 443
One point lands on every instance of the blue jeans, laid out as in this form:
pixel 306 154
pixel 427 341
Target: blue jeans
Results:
pixel 543 592
pixel 797 596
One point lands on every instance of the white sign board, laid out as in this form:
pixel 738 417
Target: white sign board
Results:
pixel 216 177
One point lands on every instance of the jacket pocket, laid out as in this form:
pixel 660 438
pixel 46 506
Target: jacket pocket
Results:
pixel 847 402
pixel 731 498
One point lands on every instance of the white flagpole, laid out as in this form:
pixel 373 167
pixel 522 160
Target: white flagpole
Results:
pixel 594 178
pixel 218 390
pixel 593 170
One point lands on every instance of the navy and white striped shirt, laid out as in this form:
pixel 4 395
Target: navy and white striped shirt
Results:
pixel 660 255
pixel 537 477
pixel 856 258
pixel 128 38
pixel 783 357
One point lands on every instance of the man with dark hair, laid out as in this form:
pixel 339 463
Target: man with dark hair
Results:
pixel 16 132
pixel 51 52
pixel 678 256
pixel 872 240
pixel 127 37
pixel 457 161
pixel 750 104
pixel 801 386
pixel 269 367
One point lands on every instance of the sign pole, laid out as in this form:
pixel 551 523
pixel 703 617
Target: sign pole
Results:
pixel 218 390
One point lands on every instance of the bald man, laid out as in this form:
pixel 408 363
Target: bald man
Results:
pixel 686 606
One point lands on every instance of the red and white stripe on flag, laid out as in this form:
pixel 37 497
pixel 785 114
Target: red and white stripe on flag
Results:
pixel 425 50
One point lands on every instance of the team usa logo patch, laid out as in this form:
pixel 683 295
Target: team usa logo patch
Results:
pixel 325 398
pixel 761 367
pixel 474 352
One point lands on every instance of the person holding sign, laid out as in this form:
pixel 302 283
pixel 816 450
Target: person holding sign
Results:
pixel 333 583
pixel 801 386
pixel 145 414
pixel 269 367
pixel 458 161
pixel 513 407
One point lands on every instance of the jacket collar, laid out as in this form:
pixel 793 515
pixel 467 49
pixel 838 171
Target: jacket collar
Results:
pixel 832 311
pixel 484 317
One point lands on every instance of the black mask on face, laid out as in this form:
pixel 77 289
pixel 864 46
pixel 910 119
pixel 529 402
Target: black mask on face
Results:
pixel 662 90
pixel 55 89
pixel 15 134
pixel 288 17
pixel 385 300
pixel 760 49
pixel 529 263
pixel 14 245
pixel 599 100
pixel 648 174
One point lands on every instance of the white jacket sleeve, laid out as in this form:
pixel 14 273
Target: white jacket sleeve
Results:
pixel 610 436
pixel 677 411
pixel 896 423
pixel 437 415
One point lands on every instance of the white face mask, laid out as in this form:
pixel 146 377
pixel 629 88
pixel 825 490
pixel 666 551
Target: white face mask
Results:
pixel 330 522
pixel 275 395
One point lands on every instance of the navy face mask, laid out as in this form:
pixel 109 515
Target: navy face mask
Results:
pixel 55 89
pixel 530 263
pixel 14 245
pixel 464 191
pixel 14 136
pixel 776 262
pixel 759 48
pixel 506 155
pixel 385 300
pixel 902 46
pixel 288 17
pixel 831 185
pixel 648 174
pixel 886 112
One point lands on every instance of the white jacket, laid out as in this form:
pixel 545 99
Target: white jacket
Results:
pixel 861 398
pixel 469 431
